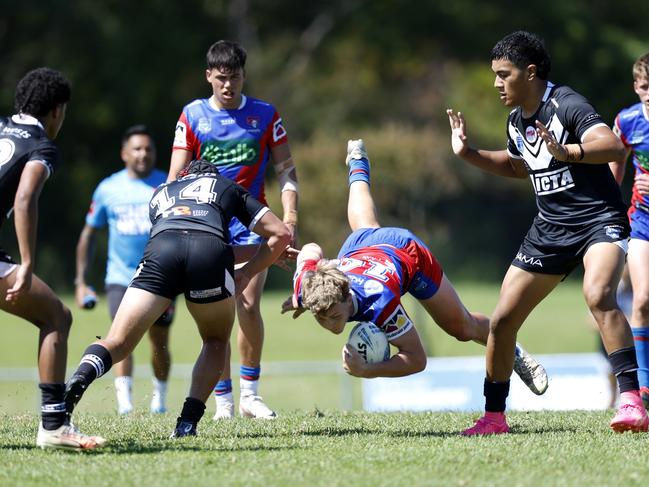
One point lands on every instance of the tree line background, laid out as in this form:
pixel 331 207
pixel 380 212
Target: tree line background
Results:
pixel 383 70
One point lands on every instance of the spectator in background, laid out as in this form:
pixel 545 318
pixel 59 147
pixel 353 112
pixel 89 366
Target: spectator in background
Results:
pixel 556 138
pixel 632 127
pixel 121 203
pixel 28 157
pixel 239 135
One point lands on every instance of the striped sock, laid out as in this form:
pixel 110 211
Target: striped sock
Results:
pixel 223 387
pixel 249 380
pixel 641 342
pixel 359 170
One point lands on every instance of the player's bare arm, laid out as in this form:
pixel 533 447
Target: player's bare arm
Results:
pixel 618 167
pixel 286 173
pixel 84 253
pixel 29 189
pixel 409 359
pixel 179 159
pixel 600 146
pixel 496 162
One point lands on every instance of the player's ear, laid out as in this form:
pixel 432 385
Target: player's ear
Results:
pixel 531 72
pixel 208 72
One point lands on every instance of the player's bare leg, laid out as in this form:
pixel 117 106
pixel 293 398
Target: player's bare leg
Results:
pixel 161 364
pixel 250 340
pixel 638 266
pixel 603 265
pixel 41 307
pixel 214 322
pixel 361 210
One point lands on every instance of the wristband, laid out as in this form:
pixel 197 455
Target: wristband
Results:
pixel 290 217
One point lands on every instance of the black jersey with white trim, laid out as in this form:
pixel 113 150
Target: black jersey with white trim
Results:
pixel 22 139
pixel 204 202
pixel 566 194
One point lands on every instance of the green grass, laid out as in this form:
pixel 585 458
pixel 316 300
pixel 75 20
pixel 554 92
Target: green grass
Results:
pixel 313 442
pixel 333 448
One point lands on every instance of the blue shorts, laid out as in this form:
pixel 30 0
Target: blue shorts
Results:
pixel 640 224
pixel 420 269
pixel 240 235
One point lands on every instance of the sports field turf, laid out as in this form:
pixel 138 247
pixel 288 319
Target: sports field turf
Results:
pixel 315 442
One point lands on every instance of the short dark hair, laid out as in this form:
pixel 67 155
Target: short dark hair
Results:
pixel 40 91
pixel 227 56
pixel 522 49
pixel 140 129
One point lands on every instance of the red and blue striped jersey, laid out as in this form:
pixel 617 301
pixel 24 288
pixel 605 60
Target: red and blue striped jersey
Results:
pixel 237 141
pixel 632 126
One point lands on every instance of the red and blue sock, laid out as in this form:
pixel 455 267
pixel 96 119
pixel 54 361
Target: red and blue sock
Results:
pixel 641 341
pixel 359 170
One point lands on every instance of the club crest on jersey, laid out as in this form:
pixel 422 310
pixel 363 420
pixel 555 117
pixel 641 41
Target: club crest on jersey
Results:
pixel 397 321
pixel 520 145
pixel 552 181
pixel 253 121
pixel 204 125
pixel 530 134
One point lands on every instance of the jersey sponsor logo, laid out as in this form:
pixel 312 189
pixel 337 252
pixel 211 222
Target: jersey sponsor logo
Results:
pixel 225 121
pixel 205 293
pixel 530 134
pixel 631 114
pixel 132 219
pixel 614 232
pixel 552 181
pixel 231 152
pixel 372 287
pixel 7 150
pixel 16 132
pixel 519 143
pixel 636 137
pixel 279 131
pixel 180 135
pixel 396 322
pixel 533 261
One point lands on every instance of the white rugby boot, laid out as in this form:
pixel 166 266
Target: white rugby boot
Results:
pixel 252 406
pixel 67 437
pixel 531 372
pixel 356 150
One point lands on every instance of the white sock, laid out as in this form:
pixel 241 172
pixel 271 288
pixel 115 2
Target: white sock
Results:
pixel 224 399
pixel 123 387
pixel 248 387
pixel 159 397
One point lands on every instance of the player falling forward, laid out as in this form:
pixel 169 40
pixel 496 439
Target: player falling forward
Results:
pixel 556 137
pixel 187 253
pixel 27 158
pixel 375 267
pixel 632 126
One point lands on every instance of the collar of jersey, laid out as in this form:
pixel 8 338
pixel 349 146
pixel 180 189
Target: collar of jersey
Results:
pixel 25 119
pixel 243 103
pixel 548 89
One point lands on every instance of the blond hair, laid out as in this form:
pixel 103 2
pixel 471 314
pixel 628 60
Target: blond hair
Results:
pixel 641 67
pixel 324 287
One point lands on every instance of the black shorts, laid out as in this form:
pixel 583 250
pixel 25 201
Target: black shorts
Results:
pixel 114 295
pixel 198 264
pixel 558 249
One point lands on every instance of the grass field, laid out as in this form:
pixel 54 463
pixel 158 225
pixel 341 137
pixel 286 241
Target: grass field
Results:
pixel 314 442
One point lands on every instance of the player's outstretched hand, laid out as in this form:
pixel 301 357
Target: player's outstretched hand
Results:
pixel 458 132
pixel 642 183
pixel 558 151
pixel 289 305
pixel 22 284
pixel 353 363
pixel 287 257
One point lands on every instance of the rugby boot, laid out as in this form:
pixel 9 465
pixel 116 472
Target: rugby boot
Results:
pixel 489 424
pixel 74 389
pixel 252 406
pixel 530 371
pixel 183 428
pixel 356 150
pixel 67 437
pixel 631 415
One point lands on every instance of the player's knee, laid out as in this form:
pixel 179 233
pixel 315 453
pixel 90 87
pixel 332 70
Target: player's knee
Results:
pixel 641 305
pixel 599 298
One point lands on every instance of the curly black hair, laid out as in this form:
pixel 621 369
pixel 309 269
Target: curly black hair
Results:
pixel 40 91
pixel 523 48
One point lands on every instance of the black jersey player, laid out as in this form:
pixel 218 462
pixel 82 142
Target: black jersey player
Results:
pixel 188 253
pixel 557 139
pixel 27 158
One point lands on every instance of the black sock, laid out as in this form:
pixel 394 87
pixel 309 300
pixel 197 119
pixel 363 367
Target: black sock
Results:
pixel 625 367
pixel 96 361
pixel 53 413
pixel 193 410
pixel 495 394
